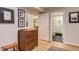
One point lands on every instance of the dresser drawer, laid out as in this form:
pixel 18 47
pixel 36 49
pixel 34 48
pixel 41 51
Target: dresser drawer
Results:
pixel 29 46
pixel 27 40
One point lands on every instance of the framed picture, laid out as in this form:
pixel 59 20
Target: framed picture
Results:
pixel 21 13
pixel 21 23
pixel 27 24
pixel 74 17
pixel 6 15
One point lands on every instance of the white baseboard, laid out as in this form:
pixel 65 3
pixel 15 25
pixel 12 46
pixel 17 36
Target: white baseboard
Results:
pixel 71 43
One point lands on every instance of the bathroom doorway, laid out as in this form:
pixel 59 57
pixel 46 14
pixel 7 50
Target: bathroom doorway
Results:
pixel 57 28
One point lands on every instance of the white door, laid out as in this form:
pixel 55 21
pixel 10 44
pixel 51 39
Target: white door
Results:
pixel 43 29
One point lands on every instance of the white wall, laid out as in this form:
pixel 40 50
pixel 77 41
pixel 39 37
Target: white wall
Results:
pixel 43 29
pixel 9 32
pixel 70 30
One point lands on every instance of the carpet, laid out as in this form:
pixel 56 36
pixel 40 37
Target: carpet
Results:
pixel 53 48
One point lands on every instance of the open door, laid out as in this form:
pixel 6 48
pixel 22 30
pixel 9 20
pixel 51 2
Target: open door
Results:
pixel 43 29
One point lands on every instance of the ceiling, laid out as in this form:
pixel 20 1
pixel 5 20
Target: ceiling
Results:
pixel 38 9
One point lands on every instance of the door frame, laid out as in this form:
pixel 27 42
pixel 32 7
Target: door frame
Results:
pixel 51 27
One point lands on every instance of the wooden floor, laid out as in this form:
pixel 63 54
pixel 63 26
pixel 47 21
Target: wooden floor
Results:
pixel 44 45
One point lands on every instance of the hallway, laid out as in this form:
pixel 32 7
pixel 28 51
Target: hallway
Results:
pixel 44 46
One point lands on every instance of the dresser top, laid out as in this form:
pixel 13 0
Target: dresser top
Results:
pixel 28 29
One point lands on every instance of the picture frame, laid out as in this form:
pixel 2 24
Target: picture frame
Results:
pixel 21 23
pixel 74 17
pixel 6 15
pixel 26 24
pixel 21 13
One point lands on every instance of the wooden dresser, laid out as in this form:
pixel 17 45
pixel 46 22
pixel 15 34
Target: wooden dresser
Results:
pixel 27 39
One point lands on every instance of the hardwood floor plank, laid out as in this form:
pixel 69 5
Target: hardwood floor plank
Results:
pixel 43 46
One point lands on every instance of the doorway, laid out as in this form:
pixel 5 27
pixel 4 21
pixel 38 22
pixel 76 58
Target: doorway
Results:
pixel 57 27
